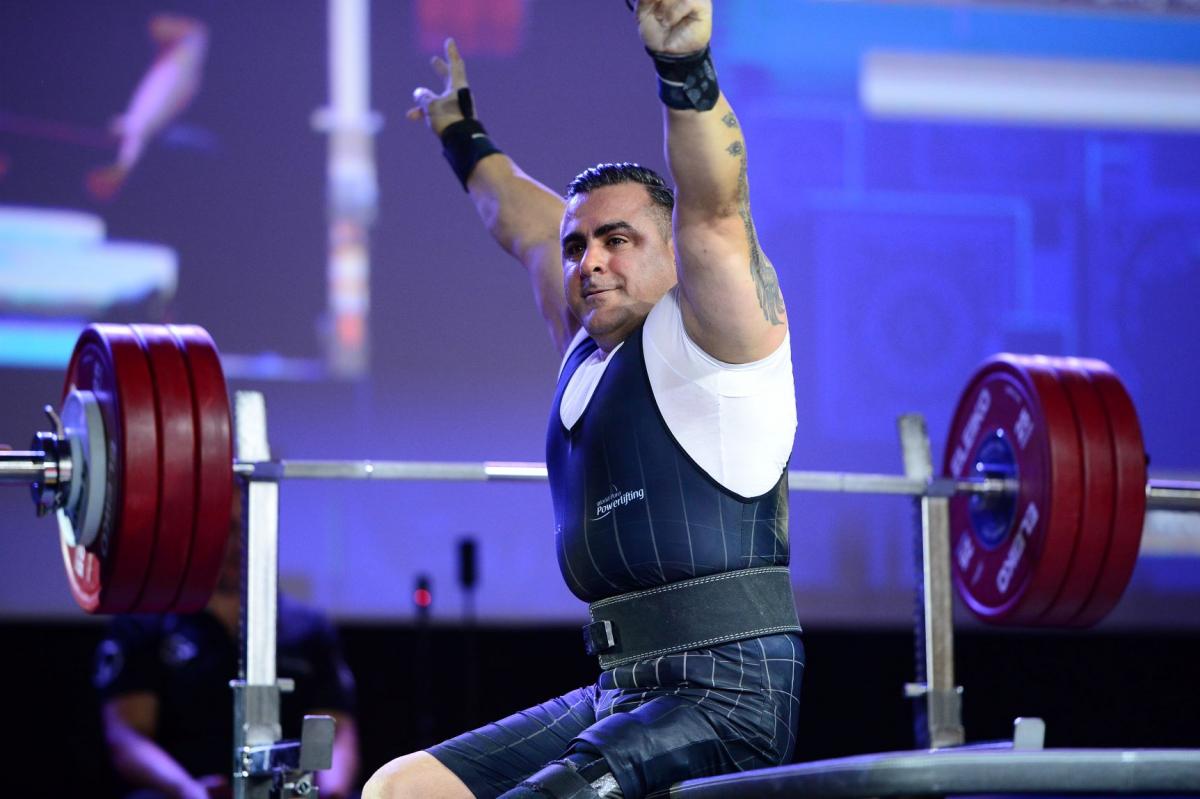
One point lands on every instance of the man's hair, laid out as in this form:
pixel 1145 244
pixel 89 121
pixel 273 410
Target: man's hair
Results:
pixel 601 175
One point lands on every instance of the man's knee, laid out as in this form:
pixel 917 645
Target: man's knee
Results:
pixel 415 776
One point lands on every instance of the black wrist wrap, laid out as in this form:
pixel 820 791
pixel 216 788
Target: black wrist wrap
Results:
pixel 464 144
pixel 466 103
pixel 686 81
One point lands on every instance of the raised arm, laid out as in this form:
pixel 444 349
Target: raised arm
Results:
pixel 732 306
pixel 521 214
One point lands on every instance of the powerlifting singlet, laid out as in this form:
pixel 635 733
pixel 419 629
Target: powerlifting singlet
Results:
pixel 631 509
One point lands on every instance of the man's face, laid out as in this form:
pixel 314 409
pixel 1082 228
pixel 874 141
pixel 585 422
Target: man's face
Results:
pixel 617 260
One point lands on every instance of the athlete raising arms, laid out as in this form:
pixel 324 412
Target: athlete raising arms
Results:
pixel 667 450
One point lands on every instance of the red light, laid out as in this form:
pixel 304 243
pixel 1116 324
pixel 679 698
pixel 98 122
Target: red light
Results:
pixel 481 27
pixel 422 597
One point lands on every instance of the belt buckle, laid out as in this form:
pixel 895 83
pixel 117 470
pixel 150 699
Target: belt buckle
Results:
pixel 599 637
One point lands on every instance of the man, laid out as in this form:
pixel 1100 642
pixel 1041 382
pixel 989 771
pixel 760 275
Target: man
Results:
pixel 167 709
pixel 667 450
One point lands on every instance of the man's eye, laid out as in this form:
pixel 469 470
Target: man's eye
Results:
pixel 616 241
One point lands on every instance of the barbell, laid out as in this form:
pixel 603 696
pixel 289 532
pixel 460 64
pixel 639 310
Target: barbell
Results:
pixel 1044 469
pixel 138 468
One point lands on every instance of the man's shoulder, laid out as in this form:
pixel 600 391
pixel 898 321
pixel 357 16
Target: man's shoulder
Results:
pixel 665 339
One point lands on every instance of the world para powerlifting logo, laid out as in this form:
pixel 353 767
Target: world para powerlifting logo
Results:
pixel 617 499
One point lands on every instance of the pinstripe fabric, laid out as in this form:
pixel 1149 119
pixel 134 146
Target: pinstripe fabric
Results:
pixel 657 721
pixel 632 510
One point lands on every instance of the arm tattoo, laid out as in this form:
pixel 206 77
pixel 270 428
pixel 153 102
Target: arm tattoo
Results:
pixel 766 281
pixel 730 120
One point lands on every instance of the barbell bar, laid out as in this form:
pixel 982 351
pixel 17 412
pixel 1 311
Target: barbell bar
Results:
pixel 1044 469
pixel 28 466
pixel 1177 495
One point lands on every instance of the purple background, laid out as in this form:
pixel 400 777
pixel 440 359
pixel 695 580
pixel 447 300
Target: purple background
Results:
pixel 907 252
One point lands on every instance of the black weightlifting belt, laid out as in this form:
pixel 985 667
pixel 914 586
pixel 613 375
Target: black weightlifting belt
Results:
pixel 691 614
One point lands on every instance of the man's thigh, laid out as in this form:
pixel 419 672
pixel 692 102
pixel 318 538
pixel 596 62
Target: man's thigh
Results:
pixel 494 758
pixel 713 711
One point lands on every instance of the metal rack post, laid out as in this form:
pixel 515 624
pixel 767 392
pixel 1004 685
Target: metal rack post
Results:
pixel 939 716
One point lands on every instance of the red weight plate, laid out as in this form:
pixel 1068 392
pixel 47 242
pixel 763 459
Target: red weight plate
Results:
pixel 214 466
pixel 1061 534
pixel 1098 495
pixel 1010 555
pixel 1129 515
pixel 108 576
pixel 177 469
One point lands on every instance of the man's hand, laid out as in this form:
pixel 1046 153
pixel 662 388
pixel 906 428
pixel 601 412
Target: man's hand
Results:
pixel 441 110
pixel 677 27
pixel 216 786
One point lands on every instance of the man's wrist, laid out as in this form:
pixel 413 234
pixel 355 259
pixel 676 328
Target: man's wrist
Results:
pixel 686 82
pixel 464 144
pixel 186 788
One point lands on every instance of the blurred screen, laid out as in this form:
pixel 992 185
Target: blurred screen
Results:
pixel 908 249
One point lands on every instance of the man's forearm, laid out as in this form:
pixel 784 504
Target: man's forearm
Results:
pixel 520 213
pixel 706 154
pixel 705 151
pixel 141 762
pixel 522 216
pixel 129 721
pixel 708 161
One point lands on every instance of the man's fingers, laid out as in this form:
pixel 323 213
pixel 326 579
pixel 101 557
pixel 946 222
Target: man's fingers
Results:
pixel 648 8
pixel 440 66
pixel 667 13
pixel 458 70
pixel 674 13
pixel 423 97
pixel 415 114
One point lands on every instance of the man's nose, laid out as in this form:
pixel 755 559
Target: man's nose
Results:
pixel 593 260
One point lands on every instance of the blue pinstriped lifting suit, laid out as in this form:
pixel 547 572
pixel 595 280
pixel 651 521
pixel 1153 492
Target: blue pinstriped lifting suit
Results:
pixel 633 511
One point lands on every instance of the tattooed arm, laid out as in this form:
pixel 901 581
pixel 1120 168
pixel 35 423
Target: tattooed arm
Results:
pixel 732 306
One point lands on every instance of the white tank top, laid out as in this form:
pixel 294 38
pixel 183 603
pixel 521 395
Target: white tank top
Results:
pixel 735 420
